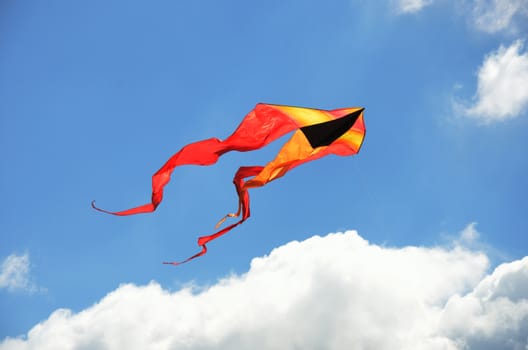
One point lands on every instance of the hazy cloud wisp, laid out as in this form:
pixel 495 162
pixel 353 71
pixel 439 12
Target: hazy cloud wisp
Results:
pixel 411 6
pixel 497 15
pixel 14 273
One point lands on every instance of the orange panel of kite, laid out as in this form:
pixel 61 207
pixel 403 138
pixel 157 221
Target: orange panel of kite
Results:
pixel 316 133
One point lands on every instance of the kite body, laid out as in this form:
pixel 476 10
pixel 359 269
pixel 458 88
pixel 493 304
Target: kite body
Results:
pixel 316 133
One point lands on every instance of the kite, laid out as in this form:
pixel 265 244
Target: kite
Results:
pixel 316 133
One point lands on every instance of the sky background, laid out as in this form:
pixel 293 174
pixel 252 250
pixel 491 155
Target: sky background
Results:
pixel 96 96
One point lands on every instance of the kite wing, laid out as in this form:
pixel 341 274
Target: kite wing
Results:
pixel 317 133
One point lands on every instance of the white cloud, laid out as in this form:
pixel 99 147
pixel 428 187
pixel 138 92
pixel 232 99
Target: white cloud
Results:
pixel 334 292
pixel 14 273
pixel 502 90
pixel 495 314
pixel 496 15
pixel 411 6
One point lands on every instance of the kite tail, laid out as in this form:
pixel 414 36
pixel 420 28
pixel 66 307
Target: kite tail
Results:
pixel 261 126
pixel 243 202
pixel 205 152
pixel 176 263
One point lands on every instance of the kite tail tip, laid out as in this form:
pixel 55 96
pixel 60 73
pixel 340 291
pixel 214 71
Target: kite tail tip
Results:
pixel 101 210
pixel 176 263
pixel 93 206
pixel 219 223
pixel 222 220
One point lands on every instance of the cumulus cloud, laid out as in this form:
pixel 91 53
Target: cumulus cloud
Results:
pixel 495 314
pixel 502 87
pixel 411 6
pixel 14 273
pixel 496 15
pixel 334 292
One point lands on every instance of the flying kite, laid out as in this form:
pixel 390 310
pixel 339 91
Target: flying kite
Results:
pixel 317 133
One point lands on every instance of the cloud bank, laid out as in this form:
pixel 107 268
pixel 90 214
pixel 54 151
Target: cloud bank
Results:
pixel 502 87
pixel 14 274
pixel 333 292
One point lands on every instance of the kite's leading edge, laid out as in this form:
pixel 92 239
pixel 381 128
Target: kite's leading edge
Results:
pixel 317 133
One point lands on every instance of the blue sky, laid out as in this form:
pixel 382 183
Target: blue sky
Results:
pixel 96 96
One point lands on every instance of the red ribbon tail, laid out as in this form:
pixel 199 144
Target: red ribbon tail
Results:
pixel 176 263
pixel 146 208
